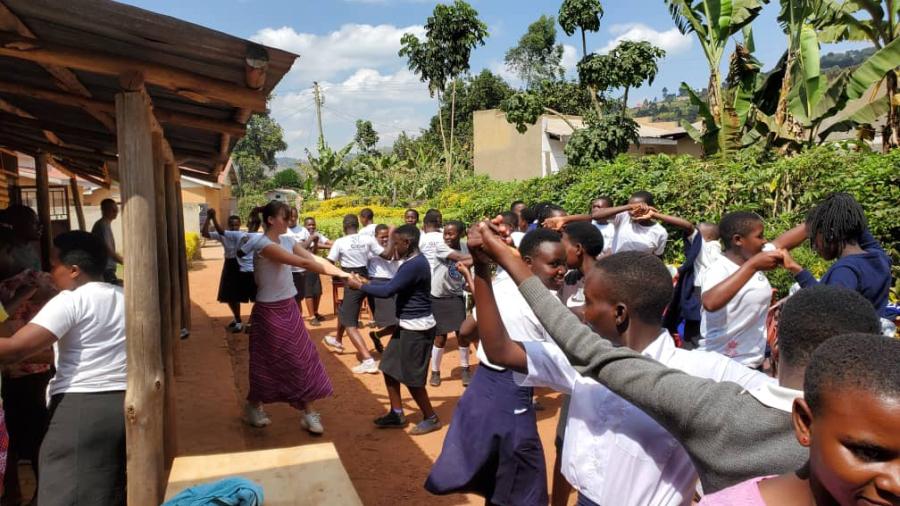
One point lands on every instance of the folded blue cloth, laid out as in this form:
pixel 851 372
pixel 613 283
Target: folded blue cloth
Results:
pixel 228 492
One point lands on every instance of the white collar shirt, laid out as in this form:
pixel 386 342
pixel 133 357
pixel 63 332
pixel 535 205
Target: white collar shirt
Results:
pixel 520 321
pixel 613 452
pixel 632 236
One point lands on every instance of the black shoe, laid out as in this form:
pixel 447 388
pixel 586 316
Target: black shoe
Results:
pixel 466 377
pixel 377 342
pixel 392 420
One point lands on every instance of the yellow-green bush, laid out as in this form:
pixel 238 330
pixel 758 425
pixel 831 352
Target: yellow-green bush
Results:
pixel 192 246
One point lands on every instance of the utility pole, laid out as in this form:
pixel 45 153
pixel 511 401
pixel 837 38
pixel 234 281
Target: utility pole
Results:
pixel 317 94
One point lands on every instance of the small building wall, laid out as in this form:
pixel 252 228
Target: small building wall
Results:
pixel 501 152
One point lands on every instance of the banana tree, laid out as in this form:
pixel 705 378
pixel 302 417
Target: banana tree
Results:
pixel 330 168
pixel 714 22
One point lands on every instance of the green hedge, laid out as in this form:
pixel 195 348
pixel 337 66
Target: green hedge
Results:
pixel 780 189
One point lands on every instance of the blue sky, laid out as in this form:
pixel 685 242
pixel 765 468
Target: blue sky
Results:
pixel 350 47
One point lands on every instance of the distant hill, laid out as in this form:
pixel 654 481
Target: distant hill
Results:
pixel 286 162
pixel 846 59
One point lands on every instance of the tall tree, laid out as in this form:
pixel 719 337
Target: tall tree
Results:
pixel 451 33
pixel 537 57
pixel 366 137
pixel 256 151
pixel 584 16
pixel 330 168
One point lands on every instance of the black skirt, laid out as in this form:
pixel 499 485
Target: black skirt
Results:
pixel 449 313
pixel 386 308
pixel 407 355
pixel 312 284
pixel 248 287
pixel 298 285
pixel 230 282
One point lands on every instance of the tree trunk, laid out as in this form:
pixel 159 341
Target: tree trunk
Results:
pixel 890 137
pixel 625 101
pixel 452 128
pixel 562 117
pixel 781 110
pixel 714 99
pixel 441 122
pixel 592 89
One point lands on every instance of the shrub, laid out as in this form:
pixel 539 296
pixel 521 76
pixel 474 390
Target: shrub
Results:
pixel 192 246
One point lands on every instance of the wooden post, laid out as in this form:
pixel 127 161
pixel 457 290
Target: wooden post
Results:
pixel 182 260
pixel 165 294
pixel 43 203
pixel 146 378
pixel 76 198
pixel 174 269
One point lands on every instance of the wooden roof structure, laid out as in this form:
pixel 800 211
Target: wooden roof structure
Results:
pixel 62 63
pixel 106 91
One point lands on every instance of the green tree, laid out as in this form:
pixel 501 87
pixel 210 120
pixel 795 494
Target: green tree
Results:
pixel 537 57
pixel 287 178
pixel 366 137
pixel 451 33
pixel 330 168
pixel 628 65
pixel 583 16
pixel 263 140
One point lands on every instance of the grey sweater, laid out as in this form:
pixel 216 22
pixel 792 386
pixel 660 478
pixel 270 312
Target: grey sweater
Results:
pixel 730 436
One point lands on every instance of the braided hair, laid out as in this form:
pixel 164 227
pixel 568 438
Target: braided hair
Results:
pixel 839 219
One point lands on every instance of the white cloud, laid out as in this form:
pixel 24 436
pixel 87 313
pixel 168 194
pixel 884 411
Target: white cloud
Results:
pixel 569 58
pixel 350 47
pixel 673 41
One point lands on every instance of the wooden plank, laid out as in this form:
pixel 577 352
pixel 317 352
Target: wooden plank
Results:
pixel 163 115
pixel 182 260
pixel 299 476
pixel 42 181
pixel 144 398
pixel 174 269
pixel 27 143
pixel 76 198
pixel 185 83
pixel 12 109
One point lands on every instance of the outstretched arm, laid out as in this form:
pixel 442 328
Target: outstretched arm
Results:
pixel 792 238
pixel 559 222
pixel 301 258
pixel 675 221
pixel 495 341
pixel 403 278
pixel 718 296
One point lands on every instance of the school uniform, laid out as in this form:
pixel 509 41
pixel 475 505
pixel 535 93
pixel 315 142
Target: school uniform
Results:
pixel 352 252
pixel 247 282
pixel 685 304
pixel 608 231
pixel 299 235
pixel 492 448
pixel 230 280
pixel 312 282
pixel 369 229
pixel 447 295
pixel 610 442
pixel 381 271
pixel 406 356
pixel 82 458
pixel 737 330
pixel 632 236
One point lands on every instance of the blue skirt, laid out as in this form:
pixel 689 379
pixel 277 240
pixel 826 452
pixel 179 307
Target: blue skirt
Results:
pixel 492 448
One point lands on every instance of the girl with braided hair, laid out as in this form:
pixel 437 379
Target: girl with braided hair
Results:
pixel 837 230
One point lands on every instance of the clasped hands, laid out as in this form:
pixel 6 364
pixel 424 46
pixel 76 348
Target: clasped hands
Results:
pixel 356 281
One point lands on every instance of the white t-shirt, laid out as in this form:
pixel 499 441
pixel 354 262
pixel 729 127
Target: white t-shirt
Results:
pixel 609 442
pixel 353 251
pixel 230 240
pixel 446 280
pixel 710 252
pixel 435 250
pixel 383 268
pixel 274 282
pixel 738 330
pixel 517 240
pixel 298 234
pixel 89 325
pixel 246 261
pixel 520 321
pixel 608 231
pixel 369 229
pixel 572 295
pixel 631 236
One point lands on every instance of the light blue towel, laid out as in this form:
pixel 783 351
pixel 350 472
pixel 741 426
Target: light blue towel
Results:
pixel 227 492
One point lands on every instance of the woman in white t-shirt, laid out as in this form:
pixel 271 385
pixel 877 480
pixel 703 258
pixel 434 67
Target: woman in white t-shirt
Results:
pixel 284 363
pixel 735 294
pixel 82 457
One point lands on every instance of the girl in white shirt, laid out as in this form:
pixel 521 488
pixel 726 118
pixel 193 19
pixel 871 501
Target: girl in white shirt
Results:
pixel 82 457
pixel 284 363
pixel 230 282
pixel 635 228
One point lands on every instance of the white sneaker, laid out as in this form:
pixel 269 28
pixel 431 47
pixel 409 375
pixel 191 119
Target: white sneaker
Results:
pixel 312 422
pixel 334 344
pixel 367 366
pixel 255 417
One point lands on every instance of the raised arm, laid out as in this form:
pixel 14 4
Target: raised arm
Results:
pixel 609 212
pixel 211 218
pixel 675 221
pixel 792 238
pixel 495 341
pixel 559 222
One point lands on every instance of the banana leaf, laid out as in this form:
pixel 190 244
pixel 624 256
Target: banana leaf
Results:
pixel 809 65
pixel 869 114
pixel 873 69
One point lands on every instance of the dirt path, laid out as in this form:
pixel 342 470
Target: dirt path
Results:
pixel 387 467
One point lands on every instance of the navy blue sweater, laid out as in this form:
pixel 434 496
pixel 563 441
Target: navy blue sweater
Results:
pixel 868 273
pixel 412 285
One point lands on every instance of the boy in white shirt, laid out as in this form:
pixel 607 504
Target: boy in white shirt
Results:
pixel 603 225
pixel 367 222
pixel 312 283
pixel 635 229
pixel 299 235
pixel 614 453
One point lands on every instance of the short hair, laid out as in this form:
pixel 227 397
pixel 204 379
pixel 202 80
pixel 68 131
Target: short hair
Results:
pixel 274 208
pixel 646 196
pixel 106 203
pixel 411 210
pixel 533 240
pixel 640 280
pixel 547 211
pixel 737 223
pixel 604 198
pixel 234 217
pixel 838 218
pixel 815 314
pixel 528 215
pixel 380 227
pixel 433 217
pixel 460 226
pixel 863 361
pixel 350 221
pixel 82 249
pixel 309 218
pixel 367 213
pixel 510 219
pixel 587 235
pixel 516 203
pixel 411 232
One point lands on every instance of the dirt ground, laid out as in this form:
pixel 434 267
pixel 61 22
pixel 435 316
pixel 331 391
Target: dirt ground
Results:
pixel 387 467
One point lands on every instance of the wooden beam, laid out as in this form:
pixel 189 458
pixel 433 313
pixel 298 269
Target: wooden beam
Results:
pixel 69 171
pixel 174 269
pixel 144 398
pixel 188 84
pixel 14 140
pixel 76 198
pixel 163 115
pixel 12 109
pixel 182 260
pixel 42 181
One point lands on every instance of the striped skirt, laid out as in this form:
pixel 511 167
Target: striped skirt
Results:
pixel 284 363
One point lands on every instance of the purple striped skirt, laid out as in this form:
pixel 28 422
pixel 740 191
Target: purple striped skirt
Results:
pixel 284 363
